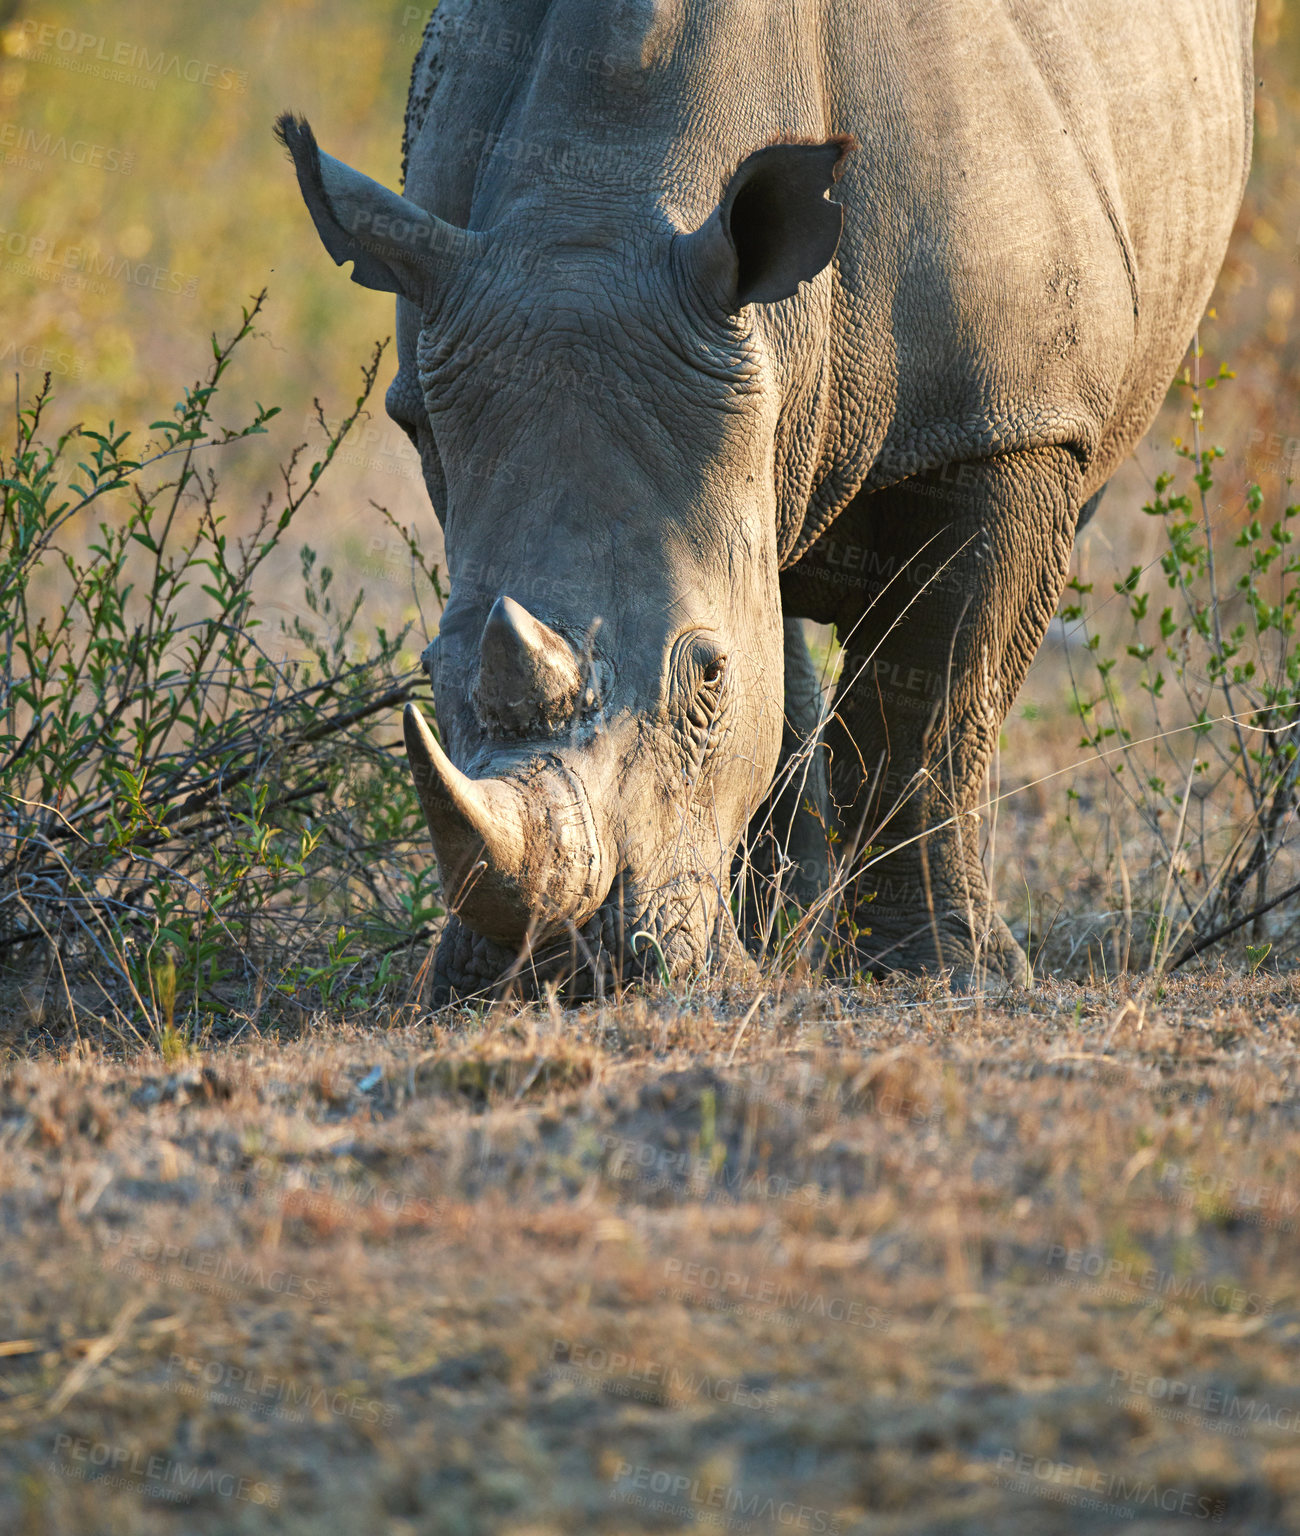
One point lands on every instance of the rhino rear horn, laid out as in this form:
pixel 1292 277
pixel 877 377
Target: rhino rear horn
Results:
pixel 529 677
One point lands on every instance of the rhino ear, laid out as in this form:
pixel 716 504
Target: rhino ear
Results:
pixel 774 227
pixel 394 245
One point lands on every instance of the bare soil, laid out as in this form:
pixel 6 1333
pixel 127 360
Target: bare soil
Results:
pixel 845 1260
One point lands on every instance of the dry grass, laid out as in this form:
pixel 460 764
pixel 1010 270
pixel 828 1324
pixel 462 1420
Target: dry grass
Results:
pixel 473 1274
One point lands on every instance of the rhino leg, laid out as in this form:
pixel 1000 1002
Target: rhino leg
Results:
pixel 962 572
pixel 783 860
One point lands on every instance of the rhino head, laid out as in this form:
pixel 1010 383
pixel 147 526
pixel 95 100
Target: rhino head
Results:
pixel 596 416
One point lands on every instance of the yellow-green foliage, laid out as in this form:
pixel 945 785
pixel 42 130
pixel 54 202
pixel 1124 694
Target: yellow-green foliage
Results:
pixel 204 195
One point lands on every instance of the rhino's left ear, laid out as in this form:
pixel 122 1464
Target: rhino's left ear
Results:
pixel 393 245
pixel 774 228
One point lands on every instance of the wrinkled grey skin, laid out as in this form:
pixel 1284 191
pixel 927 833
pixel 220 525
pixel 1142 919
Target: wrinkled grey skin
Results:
pixel 655 414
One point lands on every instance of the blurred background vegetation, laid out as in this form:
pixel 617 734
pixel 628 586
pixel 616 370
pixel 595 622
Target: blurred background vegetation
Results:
pixel 204 193
pixel 137 214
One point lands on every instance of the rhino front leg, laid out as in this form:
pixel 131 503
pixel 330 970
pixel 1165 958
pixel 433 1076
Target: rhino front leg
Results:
pixel 784 858
pixel 961 574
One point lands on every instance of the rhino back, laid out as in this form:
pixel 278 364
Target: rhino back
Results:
pixel 1035 226
pixel 1034 220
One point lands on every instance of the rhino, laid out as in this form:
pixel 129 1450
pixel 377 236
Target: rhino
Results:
pixel 714 316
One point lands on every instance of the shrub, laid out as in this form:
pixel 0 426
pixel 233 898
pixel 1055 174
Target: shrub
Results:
pixel 1211 645
pixel 198 818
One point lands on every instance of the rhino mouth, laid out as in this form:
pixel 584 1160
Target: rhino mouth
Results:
pixel 628 939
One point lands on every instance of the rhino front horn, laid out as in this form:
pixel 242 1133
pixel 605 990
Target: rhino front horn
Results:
pixel 528 678
pixel 516 858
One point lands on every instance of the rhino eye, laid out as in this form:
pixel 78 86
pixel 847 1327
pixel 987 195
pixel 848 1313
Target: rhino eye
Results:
pixel 706 696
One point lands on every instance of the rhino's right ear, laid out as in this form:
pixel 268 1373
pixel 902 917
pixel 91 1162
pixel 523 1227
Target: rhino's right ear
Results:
pixel 774 227
pixel 394 245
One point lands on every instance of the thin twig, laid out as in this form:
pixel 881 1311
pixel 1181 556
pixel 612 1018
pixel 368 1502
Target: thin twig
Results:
pixel 1201 944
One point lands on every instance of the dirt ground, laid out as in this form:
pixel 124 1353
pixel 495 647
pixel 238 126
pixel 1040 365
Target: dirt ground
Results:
pixel 833 1260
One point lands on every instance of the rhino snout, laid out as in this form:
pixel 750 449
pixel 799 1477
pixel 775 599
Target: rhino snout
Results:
pixel 520 856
